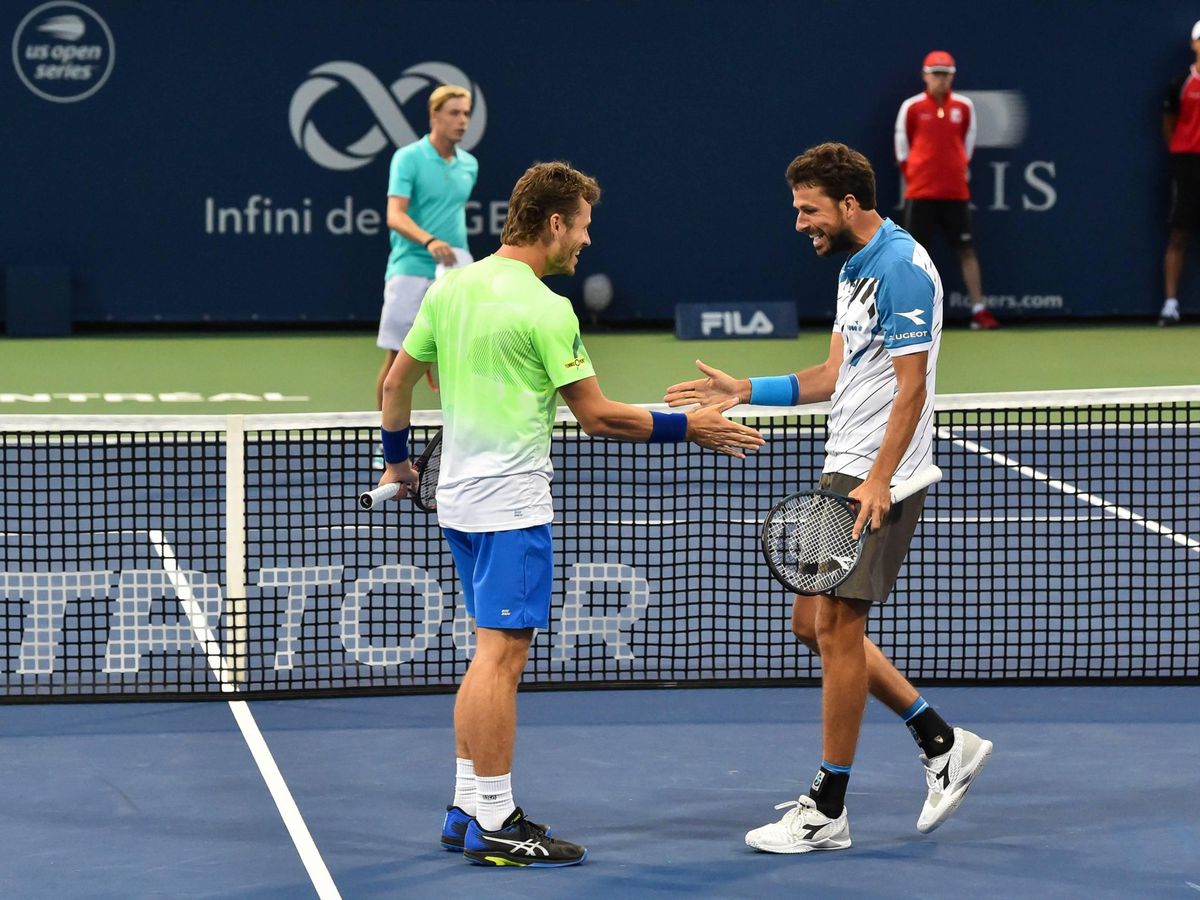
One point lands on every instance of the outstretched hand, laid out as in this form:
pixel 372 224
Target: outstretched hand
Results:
pixel 715 387
pixel 708 427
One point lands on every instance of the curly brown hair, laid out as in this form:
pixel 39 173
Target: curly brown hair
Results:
pixel 545 189
pixel 837 170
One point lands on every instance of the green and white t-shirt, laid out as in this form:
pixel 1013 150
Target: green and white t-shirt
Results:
pixel 504 344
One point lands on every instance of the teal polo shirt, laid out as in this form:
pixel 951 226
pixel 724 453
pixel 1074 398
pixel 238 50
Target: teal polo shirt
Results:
pixel 437 190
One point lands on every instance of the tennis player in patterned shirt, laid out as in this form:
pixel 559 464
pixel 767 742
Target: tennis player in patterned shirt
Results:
pixel 880 376
pixel 506 346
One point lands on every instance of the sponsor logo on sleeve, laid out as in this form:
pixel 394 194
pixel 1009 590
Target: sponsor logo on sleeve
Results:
pixel 577 349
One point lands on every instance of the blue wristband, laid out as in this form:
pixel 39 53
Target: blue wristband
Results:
pixel 395 445
pixel 668 428
pixel 775 390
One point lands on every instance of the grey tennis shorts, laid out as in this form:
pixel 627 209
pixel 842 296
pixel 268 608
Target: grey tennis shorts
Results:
pixel 885 549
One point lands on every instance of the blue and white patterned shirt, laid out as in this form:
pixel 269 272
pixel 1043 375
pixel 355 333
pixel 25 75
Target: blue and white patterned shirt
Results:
pixel 889 304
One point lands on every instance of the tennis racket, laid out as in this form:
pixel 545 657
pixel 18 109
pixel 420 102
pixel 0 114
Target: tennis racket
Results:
pixel 427 466
pixel 808 538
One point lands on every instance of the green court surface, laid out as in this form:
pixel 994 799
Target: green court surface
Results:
pixel 315 371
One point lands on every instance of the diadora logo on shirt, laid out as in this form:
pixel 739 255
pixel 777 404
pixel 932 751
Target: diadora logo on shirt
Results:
pixel 914 316
pixel 385 103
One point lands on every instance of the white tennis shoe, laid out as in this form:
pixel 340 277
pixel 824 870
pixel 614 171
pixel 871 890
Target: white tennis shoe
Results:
pixel 949 775
pixel 802 828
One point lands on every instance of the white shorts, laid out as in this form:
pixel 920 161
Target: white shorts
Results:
pixel 402 296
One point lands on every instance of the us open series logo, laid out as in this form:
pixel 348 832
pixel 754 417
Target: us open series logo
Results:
pixel 63 51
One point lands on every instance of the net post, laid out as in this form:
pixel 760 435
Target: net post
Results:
pixel 236 657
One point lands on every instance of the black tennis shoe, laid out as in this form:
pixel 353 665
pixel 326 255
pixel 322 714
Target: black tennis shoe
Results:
pixel 519 842
pixel 454 828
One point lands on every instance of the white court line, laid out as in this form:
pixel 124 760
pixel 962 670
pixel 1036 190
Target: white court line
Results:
pixel 187 600
pixel 1108 506
pixel 318 873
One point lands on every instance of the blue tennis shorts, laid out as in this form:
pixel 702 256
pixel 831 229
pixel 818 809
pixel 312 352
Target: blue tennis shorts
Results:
pixel 506 575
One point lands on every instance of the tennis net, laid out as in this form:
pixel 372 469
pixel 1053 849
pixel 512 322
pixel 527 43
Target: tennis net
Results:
pixel 192 557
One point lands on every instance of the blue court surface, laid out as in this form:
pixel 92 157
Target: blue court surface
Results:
pixel 1091 792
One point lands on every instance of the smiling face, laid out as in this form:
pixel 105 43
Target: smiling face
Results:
pixel 823 219
pixel 566 241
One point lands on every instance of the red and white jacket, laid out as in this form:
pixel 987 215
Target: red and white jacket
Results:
pixel 934 144
pixel 1183 100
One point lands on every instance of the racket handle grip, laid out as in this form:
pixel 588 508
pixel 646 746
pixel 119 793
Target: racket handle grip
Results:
pixel 368 499
pixel 921 480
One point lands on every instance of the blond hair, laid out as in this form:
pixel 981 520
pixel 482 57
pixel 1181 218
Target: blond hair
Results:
pixel 445 92
pixel 545 189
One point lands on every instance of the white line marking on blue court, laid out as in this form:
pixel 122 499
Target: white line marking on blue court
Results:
pixel 318 873
pixel 1108 506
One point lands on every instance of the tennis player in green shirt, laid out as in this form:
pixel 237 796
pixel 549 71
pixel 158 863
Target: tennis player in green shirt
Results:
pixel 506 347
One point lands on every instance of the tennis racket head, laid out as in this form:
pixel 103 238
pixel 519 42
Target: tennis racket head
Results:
pixel 427 466
pixel 808 541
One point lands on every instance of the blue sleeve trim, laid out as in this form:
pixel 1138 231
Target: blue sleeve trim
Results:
pixel 905 301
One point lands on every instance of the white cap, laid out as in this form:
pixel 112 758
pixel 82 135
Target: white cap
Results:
pixel 1196 32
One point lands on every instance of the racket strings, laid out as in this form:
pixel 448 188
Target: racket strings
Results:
pixel 812 542
pixel 428 470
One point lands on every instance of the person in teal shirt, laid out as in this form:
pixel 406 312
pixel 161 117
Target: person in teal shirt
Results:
pixel 507 347
pixel 428 187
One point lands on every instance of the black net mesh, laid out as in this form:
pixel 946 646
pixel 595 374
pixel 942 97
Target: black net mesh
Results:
pixel 1062 545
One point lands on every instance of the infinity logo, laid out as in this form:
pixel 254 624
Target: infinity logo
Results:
pixel 385 104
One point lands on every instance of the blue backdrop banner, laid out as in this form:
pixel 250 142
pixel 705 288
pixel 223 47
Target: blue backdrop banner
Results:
pixel 227 161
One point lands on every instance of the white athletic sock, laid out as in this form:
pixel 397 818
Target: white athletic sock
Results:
pixel 1170 307
pixel 464 785
pixel 495 800
pixel 978 308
